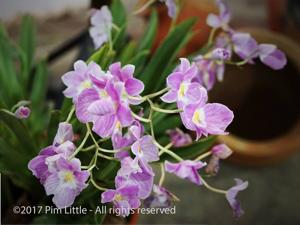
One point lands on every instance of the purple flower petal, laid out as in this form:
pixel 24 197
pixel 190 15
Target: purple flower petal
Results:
pixel 108 196
pixel 169 97
pixel 231 197
pixel 179 138
pixel 134 86
pixel 244 45
pixel 64 197
pixel 101 22
pixel 102 107
pixel 222 151
pixel 172 8
pixel 271 56
pixel 217 118
pixel 104 125
pixel 186 169
pixel 22 112
pixel 213 21
pixel 64 133
pixel 38 165
pixel 174 80
pixel 146 149
pixel 220 54
pixel 124 115
pixel 85 99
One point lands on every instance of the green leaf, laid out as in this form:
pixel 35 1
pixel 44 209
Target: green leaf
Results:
pixel 119 16
pixel 103 56
pixel 10 87
pixel 28 42
pixel 16 171
pixel 27 46
pixel 65 108
pixel 165 54
pixel 162 79
pixel 191 151
pixel 128 52
pixel 20 131
pixel 39 87
pixel 147 40
pixel 107 170
pixel 55 117
pixel 119 38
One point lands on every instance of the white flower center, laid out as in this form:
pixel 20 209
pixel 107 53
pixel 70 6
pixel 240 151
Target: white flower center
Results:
pixel 67 178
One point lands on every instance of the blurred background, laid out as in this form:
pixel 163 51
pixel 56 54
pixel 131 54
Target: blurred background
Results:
pixel 266 131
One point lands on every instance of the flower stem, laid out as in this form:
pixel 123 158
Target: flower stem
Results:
pixel 156 93
pixel 163 175
pixel 114 26
pixel 97 147
pixel 211 36
pixel 91 147
pixel 70 114
pixel 106 157
pixel 219 191
pixel 140 118
pixel 168 111
pixel 144 7
pixel 96 185
pixel 81 145
pixel 165 150
pixel 169 145
pixel 202 156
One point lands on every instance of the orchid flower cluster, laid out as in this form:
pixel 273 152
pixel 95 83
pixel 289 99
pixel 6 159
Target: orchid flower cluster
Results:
pixel 111 105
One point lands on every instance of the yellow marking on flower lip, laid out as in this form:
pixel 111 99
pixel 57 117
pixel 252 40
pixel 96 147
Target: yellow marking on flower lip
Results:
pixel 198 117
pixel 118 197
pixel 103 94
pixel 181 90
pixel 118 125
pixel 139 148
pixel 86 84
pixel 68 177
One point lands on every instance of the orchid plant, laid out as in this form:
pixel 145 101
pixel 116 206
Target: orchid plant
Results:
pixel 129 109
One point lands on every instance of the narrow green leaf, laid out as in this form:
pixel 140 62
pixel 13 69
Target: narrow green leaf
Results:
pixel 162 79
pixel 128 52
pixel 10 87
pixel 165 54
pixel 66 107
pixel 39 87
pixel 102 56
pixel 147 41
pixel 28 42
pixel 119 16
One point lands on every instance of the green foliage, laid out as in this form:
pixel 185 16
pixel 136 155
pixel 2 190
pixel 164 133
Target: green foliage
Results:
pixel 165 54
pixel 119 15
pixel 23 81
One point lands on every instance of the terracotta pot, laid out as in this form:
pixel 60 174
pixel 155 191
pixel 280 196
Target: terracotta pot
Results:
pixel 190 8
pixel 266 103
